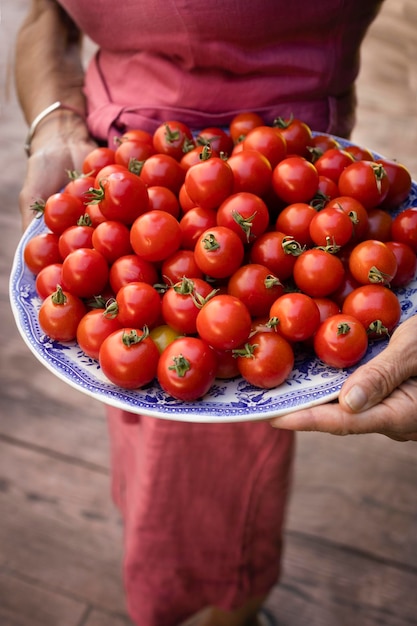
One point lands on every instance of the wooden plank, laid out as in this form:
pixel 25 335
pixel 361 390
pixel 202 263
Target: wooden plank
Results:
pixel 59 527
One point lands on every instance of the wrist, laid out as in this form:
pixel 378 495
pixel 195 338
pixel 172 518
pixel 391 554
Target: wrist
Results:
pixel 60 113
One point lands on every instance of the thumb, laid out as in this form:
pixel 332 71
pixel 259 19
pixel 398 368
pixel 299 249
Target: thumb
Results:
pixel 377 379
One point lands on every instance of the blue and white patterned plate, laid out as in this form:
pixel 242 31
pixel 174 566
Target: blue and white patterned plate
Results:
pixel 311 383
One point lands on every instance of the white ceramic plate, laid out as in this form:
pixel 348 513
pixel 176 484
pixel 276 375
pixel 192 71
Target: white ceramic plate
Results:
pixel 311 382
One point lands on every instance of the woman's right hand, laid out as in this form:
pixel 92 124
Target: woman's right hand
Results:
pixel 60 144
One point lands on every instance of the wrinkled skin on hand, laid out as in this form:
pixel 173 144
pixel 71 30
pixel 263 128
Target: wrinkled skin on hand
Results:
pixel 379 397
pixel 53 155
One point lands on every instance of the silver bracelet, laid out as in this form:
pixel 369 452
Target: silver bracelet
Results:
pixel 41 116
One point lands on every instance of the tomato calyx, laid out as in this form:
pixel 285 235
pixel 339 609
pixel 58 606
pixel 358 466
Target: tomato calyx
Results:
pixel 343 329
pixel 272 281
pixel 245 223
pixel 331 246
pixel 280 122
pixel 379 173
pixel 247 352
pixel 135 166
pixel 377 328
pixel 186 287
pixel 181 365
pixel 210 242
pixel 95 196
pixel 38 208
pixel 375 276
pixel 111 309
pixel 319 200
pixel 132 337
pixel 291 246
pixel 58 297
pixel 84 220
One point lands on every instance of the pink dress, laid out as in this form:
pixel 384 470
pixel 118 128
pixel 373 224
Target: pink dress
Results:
pixel 204 505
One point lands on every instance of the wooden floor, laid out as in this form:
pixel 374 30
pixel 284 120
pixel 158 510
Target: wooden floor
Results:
pixel 351 555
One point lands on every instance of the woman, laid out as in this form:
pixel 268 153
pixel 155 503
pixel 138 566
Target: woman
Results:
pixel 203 505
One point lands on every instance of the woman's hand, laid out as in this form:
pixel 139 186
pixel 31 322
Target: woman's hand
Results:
pixel 60 145
pixel 379 397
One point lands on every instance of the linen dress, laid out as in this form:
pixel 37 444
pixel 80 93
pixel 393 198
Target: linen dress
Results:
pixel 204 504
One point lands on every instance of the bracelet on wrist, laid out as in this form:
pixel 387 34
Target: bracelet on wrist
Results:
pixel 42 115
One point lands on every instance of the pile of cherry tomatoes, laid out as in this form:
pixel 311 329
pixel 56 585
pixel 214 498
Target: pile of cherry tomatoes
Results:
pixel 183 258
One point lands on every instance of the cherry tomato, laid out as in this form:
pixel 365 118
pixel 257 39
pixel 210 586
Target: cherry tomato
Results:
pixel 226 364
pixel 256 287
pixel 93 328
pixel 268 141
pixel 276 251
pixel 371 261
pixel 295 179
pixel 129 358
pixel 365 181
pixel 295 220
pixel 181 263
pixel 122 197
pixel 217 138
pixel 406 263
pixel 184 200
pixel 131 151
pixel 155 235
pixel 173 138
pixel 266 361
pixel 135 134
pixel 252 172
pixel 130 268
pixel 85 272
pixel 59 315
pixel 326 189
pixel 359 153
pixel 78 236
pixel 297 134
pixel 318 273
pixel 357 213
pixel 399 183
pixel 321 142
pixel 404 227
pixel 379 224
pixel 138 305
pixel 112 240
pixel 182 303
pixel 209 182
pixel 195 222
pixel 219 252
pixel 341 341
pixel 163 335
pixel 62 210
pixel 162 170
pixel 242 123
pixel 333 162
pixel 194 156
pixel 326 307
pixel 79 186
pixel 296 315
pixel 97 159
pixel 376 307
pixel 40 251
pixel 244 213
pixel 163 199
pixel 331 226
pixel 48 279
pixel 187 368
pixel 224 322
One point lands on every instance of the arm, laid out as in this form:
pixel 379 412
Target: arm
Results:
pixel 379 397
pixel 48 68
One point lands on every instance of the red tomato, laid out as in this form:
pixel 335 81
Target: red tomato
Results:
pixel 79 186
pixel 96 160
pixel 73 237
pixel 209 182
pixel 217 138
pixel 194 156
pixel 326 189
pixel 62 210
pixel 252 172
pixel 297 316
pixel 138 305
pixel 224 322
pixel 122 196
pixel 323 142
pixel 184 200
pixel 59 315
pixel 155 235
pixel 276 251
pixel 295 220
pixel 399 183
pixel 359 153
pixel 131 268
pixel 266 361
pixel 85 272
pixel 162 170
pixel 181 263
pixel 268 141
pixel 333 162
pixel 163 199
pixel 173 138
pixel 242 123
pixel 129 358
pixel 295 179
pixel 48 279
pixel 341 341
pixel 357 213
pixel 112 240
pixel 326 307
pixel 195 222
pixel 244 213
pixel 404 227
pixel 182 303
pixel 219 252
pixel 131 151
pixel 376 307
pixel 365 181
pixel 406 263
pixel 40 251
pixel 187 368
pixel 331 226
pixel 135 134
pixel 297 134
pixel 256 287
pixel 379 225
pixel 318 273
pixel 93 328
pixel 371 261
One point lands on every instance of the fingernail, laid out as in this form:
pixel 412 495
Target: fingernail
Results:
pixel 356 398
